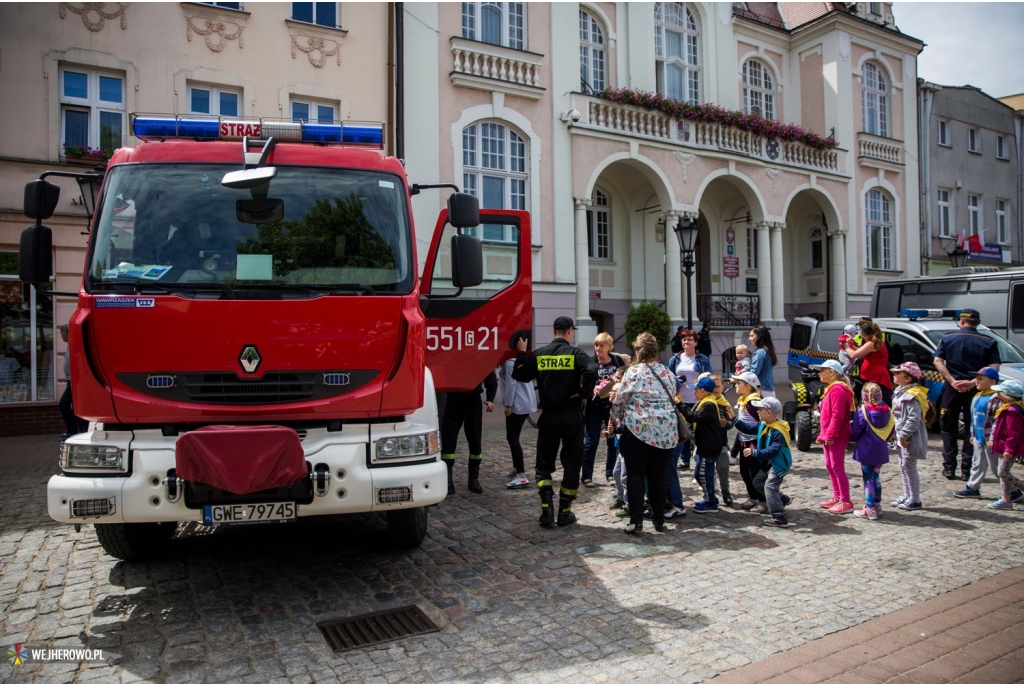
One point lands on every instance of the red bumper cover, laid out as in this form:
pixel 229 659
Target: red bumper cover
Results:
pixel 241 459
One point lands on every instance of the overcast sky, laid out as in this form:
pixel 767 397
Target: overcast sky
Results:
pixel 976 43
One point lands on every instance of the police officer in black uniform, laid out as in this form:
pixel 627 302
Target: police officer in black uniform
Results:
pixel 958 358
pixel 565 377
pixel 464 411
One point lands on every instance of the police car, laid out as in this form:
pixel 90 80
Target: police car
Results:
pixel 914 331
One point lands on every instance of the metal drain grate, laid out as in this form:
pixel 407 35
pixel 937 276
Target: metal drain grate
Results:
pixel 380 626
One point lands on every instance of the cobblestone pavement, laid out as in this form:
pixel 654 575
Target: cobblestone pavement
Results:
pixel 515 602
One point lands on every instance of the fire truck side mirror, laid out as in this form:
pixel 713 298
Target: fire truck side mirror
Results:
pixel 41 199
pixel 463 210
pixel 467 261
pixel 35 255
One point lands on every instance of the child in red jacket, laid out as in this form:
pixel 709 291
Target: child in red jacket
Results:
pixel 1008 438
pixel 836 407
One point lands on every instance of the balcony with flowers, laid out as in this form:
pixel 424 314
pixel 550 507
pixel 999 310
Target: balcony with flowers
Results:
pixel 707 126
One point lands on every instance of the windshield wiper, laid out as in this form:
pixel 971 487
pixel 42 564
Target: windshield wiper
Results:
pixel 322 288
pixel 194 287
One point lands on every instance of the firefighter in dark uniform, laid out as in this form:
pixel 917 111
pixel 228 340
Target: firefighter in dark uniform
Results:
pixel 464 410
pixel 958 358
pixel 565 376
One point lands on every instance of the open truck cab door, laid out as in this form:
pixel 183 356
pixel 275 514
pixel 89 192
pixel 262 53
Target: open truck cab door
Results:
pixel 470 317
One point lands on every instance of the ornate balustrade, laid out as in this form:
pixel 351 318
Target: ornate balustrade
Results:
pixel 729 311
pixel 874 147
pixel 492 67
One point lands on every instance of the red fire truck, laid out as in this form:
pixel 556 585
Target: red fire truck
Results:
pixel 253 340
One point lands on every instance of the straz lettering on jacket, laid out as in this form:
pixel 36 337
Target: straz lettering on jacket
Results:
pixel 556 362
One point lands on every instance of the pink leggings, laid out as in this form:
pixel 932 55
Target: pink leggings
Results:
pixel 835 455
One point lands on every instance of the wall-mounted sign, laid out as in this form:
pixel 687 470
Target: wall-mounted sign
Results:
pixel 751 285
pixel 595 294
pixel 730 249
pixel 731 267
pixel 730 236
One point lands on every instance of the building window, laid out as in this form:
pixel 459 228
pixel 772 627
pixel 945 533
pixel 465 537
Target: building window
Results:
pixel 26 334
pixel 943 133
pixel 320 13
pixel 91 109
pixel 1001 235
pixel 211 100
pixel 945 214
pixel 973 215
pixel 226 5
pixel 879 230
pixel 592 53
pixel 1001 147
pixel 758 90
pixel 817 249
pixel 677 51
pixel 875 8
pixel 875 100
pixel 973 140
pixel 497 23
pixel 494 170
pixel 306 111
pixel 751 248
pixel 599 227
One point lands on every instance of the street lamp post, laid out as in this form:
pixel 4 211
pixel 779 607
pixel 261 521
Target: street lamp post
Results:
pixel 686 233
pixel 958 257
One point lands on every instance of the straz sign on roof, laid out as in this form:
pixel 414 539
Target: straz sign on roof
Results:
pixel 237 129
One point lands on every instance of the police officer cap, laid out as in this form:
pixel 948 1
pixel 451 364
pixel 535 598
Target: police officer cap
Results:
pixel 564 323
pixel 970 314
pixel 524 334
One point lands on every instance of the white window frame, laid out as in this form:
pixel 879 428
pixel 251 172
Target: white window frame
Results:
pixel 314 106
pixel 1002 235
pixel 874 100
pixel 337 16
pixel 974 140
pixel 513 23
pixel 492 150
pixel 876 9
pixel 751 248
pixel 593 54
pixel 237 6
pixel 599 227
pixel 758 89
pixel 975 226
pixel 945 212
pixel 677 18
pixel 1001 149
pixel 215 93
pixel 942 133
pixel 92 104
pixel 817 235
pixel 879 215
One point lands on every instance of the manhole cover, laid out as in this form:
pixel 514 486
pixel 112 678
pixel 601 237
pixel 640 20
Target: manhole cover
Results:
pixel 379 626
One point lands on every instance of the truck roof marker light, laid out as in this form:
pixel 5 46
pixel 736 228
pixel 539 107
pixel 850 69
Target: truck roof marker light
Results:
pixel 192 127
pixel 926 313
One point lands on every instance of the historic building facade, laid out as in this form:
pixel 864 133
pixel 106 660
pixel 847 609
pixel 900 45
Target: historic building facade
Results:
pixel 509 104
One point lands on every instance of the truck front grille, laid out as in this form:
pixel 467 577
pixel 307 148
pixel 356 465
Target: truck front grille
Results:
pixel 91 508
pixel 227 388
pixel 394 495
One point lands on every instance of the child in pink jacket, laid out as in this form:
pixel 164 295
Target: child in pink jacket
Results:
pixel 1008 438
pixel 836 407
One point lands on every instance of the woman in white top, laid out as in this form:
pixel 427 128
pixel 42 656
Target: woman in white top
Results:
pixel 520 400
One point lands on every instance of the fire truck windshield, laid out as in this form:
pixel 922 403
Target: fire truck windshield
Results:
pixel 174 227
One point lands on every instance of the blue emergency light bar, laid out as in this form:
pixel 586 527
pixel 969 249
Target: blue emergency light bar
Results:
pixel 162 127
pixel 929 313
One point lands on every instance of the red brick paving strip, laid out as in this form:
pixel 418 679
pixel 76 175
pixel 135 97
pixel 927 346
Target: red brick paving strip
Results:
pixel 974 634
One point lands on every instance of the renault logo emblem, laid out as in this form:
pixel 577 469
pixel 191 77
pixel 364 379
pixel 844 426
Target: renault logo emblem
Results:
pixel 249 359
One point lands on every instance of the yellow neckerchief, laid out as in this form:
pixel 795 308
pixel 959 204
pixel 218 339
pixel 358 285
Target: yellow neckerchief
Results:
pixel 1019 404
pixel 742 400
pixel 780 426
pixel 722 402
pixel 709 399
pixel 921 393
pixel 853 405
pixel 982 393
pixel 882 433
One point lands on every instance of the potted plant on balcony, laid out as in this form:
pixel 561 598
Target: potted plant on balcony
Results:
pixel 85 155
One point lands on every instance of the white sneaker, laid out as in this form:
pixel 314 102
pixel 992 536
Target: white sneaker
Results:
pixel 761 508
pixel 518 482
pixel 675 512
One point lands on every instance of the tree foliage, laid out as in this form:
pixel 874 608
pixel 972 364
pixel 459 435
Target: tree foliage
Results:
pixel 649 318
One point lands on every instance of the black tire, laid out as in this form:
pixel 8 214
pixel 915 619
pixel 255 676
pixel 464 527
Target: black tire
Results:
pixel 407 527
pixel 803 431
pixel 134 541
pixel 789 410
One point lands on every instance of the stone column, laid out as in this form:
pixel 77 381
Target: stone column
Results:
pixel 582 261
pixel 764 270
pixel 778 308
pixel 837 273
pixel 673 269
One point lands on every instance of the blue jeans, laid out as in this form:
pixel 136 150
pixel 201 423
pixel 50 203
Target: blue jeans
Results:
pixel 675 493
pixel 705 475
pixel 596 420
pixel 872 485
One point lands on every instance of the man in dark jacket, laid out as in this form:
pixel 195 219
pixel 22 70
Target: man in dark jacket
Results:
pixel 466 409
pixel 704 339
pixel 565 378
pixel 709 438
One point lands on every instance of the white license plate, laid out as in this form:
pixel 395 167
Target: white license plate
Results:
pixel 214 514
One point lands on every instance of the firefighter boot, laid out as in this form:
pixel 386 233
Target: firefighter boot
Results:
pixel 449 461
pixel 566 517
pixel 547 505
pixel 474 473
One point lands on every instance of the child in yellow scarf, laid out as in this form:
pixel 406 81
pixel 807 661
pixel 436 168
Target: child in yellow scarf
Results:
pixel 909 404
pixel 872 427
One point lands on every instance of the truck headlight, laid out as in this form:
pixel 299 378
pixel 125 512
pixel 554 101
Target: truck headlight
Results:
pixel 102 457
pixel 408 446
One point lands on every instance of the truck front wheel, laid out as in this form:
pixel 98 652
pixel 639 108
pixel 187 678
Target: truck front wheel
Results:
pixel 134 541
pixel 407 527
pixel 803 431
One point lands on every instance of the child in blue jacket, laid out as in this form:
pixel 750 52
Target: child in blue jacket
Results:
pixel 772 450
